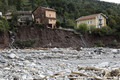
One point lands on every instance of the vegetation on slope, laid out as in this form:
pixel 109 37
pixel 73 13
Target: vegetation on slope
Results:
pixel 69 10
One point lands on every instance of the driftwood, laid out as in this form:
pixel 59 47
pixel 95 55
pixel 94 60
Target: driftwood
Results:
pixel 107 73
pixel 90 68
pixel 82 74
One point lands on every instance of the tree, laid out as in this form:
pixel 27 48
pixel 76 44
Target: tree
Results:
pixel 112 23
pixel 4 27
pixel 83 28
pixel 58 23
pixel 19 4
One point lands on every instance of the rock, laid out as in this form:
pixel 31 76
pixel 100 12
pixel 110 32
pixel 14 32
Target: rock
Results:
pixel 6 68
pixel 68 70
pixel 102 65
pixel 41 76
pixel 2 60
pixel 24 77
pixel 114 51
pixel 12 56
pixel 2 79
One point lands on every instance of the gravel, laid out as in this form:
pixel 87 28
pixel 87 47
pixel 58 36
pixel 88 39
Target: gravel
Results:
pixel 54 63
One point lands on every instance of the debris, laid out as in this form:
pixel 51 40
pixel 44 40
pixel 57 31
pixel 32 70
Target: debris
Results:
pixel 59 64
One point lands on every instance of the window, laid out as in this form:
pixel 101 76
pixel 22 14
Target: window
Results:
pixel 90 22
pixel 50 15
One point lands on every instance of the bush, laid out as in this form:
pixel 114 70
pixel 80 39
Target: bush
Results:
pixel 106 30
pixel 99 44
pixel 83 28
pixel 117 35
pixel 92 28
pixel 4 27
pixel 58 23
pixel 24 43
pixel 103 31
pixel 114 43
pixel 39 25
pixel 68 24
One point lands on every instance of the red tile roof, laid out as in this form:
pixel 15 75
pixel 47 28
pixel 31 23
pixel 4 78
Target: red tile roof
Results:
pixel 89 17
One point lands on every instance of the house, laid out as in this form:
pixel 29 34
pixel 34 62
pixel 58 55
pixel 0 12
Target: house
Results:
pixel 24 17
pixel 8 16
pixel 0 13
pixel 97 20
pixel 45 16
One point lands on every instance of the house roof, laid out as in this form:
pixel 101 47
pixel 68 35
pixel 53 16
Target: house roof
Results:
pixel 46 8
pixel 89 17
pixel 19 12
pixel 8 14
pixel 25 12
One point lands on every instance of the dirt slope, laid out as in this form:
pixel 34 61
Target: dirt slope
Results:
pixel 54 38
pixel 4 40
pixel 49 37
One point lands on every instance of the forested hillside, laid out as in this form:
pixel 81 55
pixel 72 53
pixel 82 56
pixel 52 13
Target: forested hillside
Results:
pixel 68 10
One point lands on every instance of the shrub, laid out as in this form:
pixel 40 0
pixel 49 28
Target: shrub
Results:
pixel 83 28
pixel 117 35
pixel 58 23
pixel 103 31
pixel 24 43
pixel 97 32
pixel 92 28
pixel 68 24
pixel 4 27
pixel 99 44
pixel 39 25
pixel 106 30
pixel 114 43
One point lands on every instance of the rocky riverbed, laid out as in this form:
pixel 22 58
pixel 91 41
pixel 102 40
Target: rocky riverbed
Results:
pixel 59 64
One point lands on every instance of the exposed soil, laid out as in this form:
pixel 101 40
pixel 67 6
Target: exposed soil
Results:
pixel 47 37
pixel 4 40
pixel 91 39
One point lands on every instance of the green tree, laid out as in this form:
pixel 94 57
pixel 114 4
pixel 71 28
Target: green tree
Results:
pixel 83 28
pixel 58 23
pixel 112 23
pixel 4 27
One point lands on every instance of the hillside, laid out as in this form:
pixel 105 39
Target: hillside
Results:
pixel 68 10
pixel 35 37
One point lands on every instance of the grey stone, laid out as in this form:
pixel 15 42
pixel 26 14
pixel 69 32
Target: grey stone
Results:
pixel 11 56
pixel 2 60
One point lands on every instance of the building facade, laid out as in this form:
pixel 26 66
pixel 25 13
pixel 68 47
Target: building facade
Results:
pixel 97 20
pixel 46 16
pixel 24 18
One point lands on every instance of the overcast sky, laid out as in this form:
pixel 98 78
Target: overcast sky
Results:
pixel 114 1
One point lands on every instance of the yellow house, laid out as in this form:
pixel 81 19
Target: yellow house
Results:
pixel 98 20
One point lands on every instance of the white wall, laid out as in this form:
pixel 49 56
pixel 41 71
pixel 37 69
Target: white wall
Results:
pixel 0 13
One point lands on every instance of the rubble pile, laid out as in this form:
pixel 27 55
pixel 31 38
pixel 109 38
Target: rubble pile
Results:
pixel 60 64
